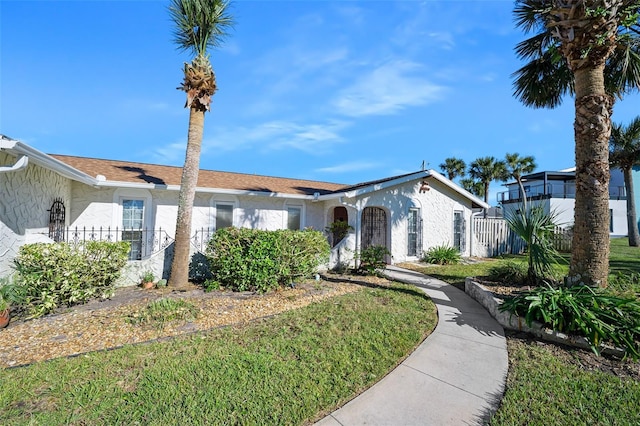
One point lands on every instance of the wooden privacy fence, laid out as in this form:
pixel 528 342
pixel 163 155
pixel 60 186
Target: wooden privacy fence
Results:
pixel 492 237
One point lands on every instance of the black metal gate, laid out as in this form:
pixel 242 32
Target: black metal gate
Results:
pixel 374 227
pixel 56 220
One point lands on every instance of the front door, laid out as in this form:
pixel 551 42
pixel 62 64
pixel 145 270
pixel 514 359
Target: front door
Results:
pixel 374 227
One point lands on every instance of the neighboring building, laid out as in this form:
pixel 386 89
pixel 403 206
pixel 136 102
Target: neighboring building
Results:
pixel 556 192
pixel 65 198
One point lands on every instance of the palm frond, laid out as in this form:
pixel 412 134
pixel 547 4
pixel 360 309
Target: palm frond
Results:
pixel 530 15
pixel 200 24
pixel 622 71
pixel 543 82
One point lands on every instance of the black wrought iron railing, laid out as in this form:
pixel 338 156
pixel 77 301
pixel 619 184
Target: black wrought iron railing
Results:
pixel 144 242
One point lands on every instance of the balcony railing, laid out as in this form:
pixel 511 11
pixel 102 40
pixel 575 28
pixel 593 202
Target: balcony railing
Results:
pixel 553 190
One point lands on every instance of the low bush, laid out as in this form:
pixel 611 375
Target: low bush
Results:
pixel 373 259
pixel 509 272
pixel 159 312
pixel 442 255
pixel 596 314
pixel 61 274
pixel 257 260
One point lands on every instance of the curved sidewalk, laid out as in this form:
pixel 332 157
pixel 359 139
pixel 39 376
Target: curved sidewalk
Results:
pixel 455 377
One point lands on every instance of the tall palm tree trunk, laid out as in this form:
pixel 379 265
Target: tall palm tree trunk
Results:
pixel 590 251
pixel 180 266
pixel 632 225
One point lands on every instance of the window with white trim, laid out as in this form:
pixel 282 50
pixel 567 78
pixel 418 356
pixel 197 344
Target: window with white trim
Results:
pixel 413 232
pixel 224 216
pixel 294 217
pixel 132 224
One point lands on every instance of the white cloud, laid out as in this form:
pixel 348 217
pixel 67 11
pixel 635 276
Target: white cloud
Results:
pixel 388 89
pixel 269 136
pixel 443 39
pixel 172 153
pixel 353 166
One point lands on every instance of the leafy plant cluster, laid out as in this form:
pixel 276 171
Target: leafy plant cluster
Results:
pixel 61 274
pixel 338 230
pixel 11 293
pixel 257 260
pixel 537 229
pixel 372 259
pixel 597 314
pixel 510 272
pixel 159 312
pixel 442 255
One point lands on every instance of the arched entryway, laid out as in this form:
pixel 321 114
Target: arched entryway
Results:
pixel 339 227
pixel 374 227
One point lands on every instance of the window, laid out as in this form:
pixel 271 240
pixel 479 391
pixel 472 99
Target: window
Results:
pixel 224 216
pixel 458 231
pixel 413 232
pixel 132 223
pixel 293 217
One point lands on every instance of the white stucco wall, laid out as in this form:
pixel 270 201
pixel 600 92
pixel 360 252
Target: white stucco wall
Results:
pixel 25 197
pixel 437 206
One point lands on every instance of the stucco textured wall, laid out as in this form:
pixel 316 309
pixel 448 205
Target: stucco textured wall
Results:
pixel 25 197
pixel 437 206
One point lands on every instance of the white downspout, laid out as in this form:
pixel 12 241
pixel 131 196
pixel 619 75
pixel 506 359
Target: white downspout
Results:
pixel 20 164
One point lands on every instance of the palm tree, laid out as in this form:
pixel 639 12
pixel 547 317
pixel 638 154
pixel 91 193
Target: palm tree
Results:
pixel 453 167
pixel 199 25
pixel 485 170
pixel 518 166
pixel 624 152
pixel 473 186
pixel 576 45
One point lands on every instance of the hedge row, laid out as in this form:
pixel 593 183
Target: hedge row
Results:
pixel 257 260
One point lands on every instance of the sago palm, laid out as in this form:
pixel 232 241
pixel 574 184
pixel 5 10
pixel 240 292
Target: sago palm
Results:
pixel 199 25
pixel 576 44
pixel 536 227
pixel 624 152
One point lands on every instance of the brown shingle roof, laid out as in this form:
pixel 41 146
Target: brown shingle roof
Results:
pixel 124 171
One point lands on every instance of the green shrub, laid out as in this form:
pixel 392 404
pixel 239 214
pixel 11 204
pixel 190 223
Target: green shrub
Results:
pixel 60 274
pixel 442 255
pixel 596 314
pixel 536 227
pixel 372 259
pixel 509 272
pixel 257 260
pixel 199 268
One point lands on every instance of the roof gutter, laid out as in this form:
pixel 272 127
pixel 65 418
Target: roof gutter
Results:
pixel 18 148
pixel 20 164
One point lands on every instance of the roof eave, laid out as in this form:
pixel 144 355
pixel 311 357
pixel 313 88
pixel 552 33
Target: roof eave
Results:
pixel 202 190
pixel 18 148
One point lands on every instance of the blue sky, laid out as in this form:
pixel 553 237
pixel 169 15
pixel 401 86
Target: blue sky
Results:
pixel 345 91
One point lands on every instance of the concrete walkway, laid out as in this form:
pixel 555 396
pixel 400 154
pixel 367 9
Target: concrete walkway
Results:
pixel 455 377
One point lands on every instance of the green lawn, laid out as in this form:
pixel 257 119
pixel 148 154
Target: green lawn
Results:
pixel 289 369
pixel 544 387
